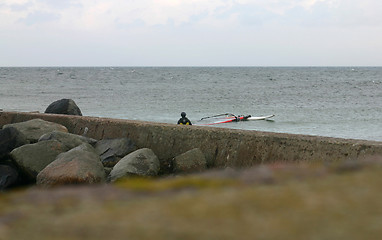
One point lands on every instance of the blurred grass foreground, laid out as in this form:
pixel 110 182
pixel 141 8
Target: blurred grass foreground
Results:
pixel 275 201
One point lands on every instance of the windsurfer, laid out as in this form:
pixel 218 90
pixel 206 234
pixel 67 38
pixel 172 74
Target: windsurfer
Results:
pixel 184 120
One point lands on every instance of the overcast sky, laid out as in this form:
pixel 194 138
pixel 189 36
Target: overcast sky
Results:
pixel 190 32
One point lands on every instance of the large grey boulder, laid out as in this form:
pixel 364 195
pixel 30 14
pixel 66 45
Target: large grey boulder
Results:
pixel 112 150
pixel 80 165
pixel 68 139
pixel 190 161
pixel 64 106
pixel 32 158
pixel 142 162
pixel 35 128
pixel 10 138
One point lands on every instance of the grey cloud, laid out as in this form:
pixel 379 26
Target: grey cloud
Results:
pixel 250 15
pixel 20 7
pixel 16 7
pixel 61 4
pixel 39 17
pixel 321 14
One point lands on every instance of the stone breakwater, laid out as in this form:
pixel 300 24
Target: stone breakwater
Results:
pixel 43 152
pixel 169 148
pixel 221 147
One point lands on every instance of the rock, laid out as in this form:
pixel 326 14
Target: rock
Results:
pixel 68 139
pixel 110 161
pixel 8 176
pixel 35 128
pixel 87 147
pixel 112 150
pixel 142 162
pixel 10 138
pixel 190 161
pixel 107 170
pixel 166 166
pixel 79 165
pixel 32 158
pixel 64 106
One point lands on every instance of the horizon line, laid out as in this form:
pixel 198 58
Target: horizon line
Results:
pixel 185 66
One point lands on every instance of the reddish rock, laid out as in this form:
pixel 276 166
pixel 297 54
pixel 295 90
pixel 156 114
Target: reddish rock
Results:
pixel 79 165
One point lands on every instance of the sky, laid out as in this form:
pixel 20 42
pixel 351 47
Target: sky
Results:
pixel 190 33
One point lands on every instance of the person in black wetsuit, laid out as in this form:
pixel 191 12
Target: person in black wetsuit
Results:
pixel 183 120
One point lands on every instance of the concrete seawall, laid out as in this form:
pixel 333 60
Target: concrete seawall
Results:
pixel 222 147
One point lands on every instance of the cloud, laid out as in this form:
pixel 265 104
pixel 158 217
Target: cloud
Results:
pixel 39 17
pixel 92 15
pixel 195 32
pixel 60 4
pixel 20 7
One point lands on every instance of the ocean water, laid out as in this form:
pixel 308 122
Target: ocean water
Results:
pixel 344 102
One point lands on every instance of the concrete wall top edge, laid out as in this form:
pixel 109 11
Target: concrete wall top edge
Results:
pixel 11 117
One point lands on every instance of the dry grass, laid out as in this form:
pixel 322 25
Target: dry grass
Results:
pixel 303 202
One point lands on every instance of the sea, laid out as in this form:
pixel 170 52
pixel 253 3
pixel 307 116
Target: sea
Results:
pixel 341 102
